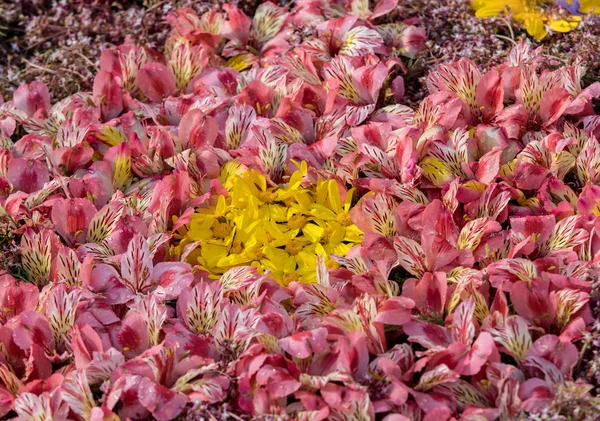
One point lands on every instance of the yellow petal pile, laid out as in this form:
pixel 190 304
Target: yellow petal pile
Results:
pixel 280 229
pixel 536 19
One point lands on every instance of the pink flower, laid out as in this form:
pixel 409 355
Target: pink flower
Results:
pixel 16 297
pixel 33 99
pixel 27 175
pixel 156 81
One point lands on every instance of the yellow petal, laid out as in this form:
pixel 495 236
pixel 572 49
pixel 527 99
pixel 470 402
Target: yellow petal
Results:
pixel 213 253
pixel 335 201
pixel 122 171
pixel 241 62
pixel 475 186
pixel 507 169
pixel 289 264
pixel 313 232
pixel 276 255
pixel 490 8
pixel 221 205
pixel 589 6
pixel 297 176
pixel 534 25
pixel 338 236
pixel 200 231
pixel 111 135
pixel 304 199
pixel 348 201
pixel 341 249
pixel 562 25
pixel 234 260
pixel 436 171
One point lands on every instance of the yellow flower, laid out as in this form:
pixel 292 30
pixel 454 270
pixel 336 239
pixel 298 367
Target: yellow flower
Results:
pixel 246 246
pixel 329 207
pixel 329 203
pixel 307 269
pixel 280 229
pixel 330 235
pixel 588 6
pixel 285 271
pixel 529 13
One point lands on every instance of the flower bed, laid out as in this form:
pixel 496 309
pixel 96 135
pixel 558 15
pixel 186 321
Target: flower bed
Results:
pixel 249 223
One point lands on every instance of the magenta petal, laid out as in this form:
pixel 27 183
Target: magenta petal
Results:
pixel 163 403
pixel 172 278
pixel 304 344
pixel 16 298
pixel 396 417
pixel 72 158
pixel 531 301
pixel 280 388
pixel 368 81
pixel 395 311
pixel 156 81
pixel 6 401
pixel 133 336
pixel 72 217
pixel 428 335
pixel 84 343
pixel 477 356
pixel 106 281
pixel 27 175
pixel 536 395
pixel 413 40
pixel 398 88
pixel 490 94
pixel 197 129
pixel 108 92
pixel 384 7
pixel 33 328
pixel 539 226
pixel 32 98
pixel 124 391
pixel 8 126
pixel 489 165
pixel 553 104
pixel 429 293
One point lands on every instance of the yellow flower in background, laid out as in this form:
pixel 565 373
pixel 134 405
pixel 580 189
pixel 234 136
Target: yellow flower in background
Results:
pixel 280 229
pixel 534 15
pixel 587 6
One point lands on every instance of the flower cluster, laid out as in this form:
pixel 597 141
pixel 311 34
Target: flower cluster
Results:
pixel 537 17
pixel 252 226
pixel 276 229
